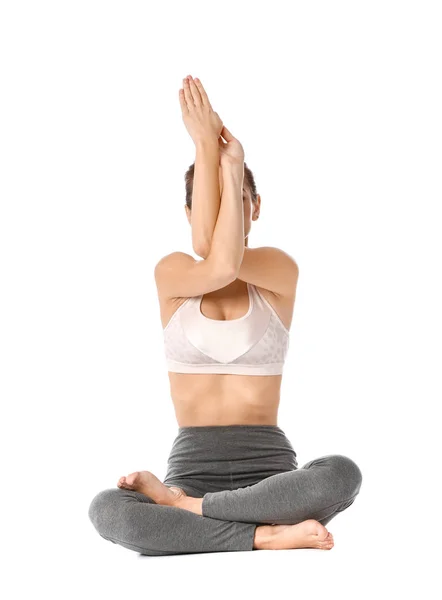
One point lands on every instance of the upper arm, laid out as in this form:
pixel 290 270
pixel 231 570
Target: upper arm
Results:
pixel 179 275
pixel 270 268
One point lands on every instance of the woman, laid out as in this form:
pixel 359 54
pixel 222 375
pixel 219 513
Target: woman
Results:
pixel 233 481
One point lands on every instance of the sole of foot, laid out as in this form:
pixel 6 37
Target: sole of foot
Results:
pixel 308 534
pixel 148 484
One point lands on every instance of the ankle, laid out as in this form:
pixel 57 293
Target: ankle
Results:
pixel 264 534
pixel 189 503
pixel 178 494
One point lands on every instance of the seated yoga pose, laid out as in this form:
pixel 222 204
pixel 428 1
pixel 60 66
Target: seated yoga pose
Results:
pixel 233 481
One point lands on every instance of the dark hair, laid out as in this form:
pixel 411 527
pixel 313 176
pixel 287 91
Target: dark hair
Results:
pixel 248 179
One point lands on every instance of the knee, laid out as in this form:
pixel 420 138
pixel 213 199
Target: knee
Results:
pixel 102 509
pixel 347 472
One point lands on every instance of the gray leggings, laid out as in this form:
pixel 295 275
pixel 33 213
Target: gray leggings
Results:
pixel 247 475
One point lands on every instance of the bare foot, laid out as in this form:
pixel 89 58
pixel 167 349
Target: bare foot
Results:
pixel 148 484
pixel 308 534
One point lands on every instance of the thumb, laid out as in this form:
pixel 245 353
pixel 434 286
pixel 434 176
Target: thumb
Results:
pixel 226 134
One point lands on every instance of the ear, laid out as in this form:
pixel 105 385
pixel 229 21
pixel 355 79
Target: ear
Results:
pixel 188 214
pixel 256 207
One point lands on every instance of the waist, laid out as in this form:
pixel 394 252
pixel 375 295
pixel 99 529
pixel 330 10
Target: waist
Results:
pixel 224 399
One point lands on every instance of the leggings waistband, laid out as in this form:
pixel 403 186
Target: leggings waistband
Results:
pixel 224 443
pixel 228 455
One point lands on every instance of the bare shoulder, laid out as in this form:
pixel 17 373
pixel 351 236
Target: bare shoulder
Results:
pixel 286 260
pixel 167 268
pixel 275 273
pixel 272 269
pixel 168 264
pixel 172 260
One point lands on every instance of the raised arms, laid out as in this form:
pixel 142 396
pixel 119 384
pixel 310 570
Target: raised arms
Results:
pixel 179 274
pixel 204 127
pixel 218 225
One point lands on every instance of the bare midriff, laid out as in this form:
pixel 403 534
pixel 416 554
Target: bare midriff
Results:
pixel 202 399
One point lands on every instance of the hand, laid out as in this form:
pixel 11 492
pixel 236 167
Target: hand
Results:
pixel 231 152
pixel 200 120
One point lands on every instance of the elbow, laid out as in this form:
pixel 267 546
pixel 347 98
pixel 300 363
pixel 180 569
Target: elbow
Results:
pixel 201 249
pixel 232 270
pixel 232 274
pixel 227 273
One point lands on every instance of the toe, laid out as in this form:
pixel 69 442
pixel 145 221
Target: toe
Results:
pixel 130 479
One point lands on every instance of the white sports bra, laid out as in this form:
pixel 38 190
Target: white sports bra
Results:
pixel 254 344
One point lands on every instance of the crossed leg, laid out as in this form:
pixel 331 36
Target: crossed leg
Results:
pixel 135 521
pixel 297 504
pixel 319 490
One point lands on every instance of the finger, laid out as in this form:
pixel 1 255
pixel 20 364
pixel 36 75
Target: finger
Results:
pixel 183 103
pixel 202 91
pixel 215 113
pixel 195 92
pixel 187 94
pixel 226 134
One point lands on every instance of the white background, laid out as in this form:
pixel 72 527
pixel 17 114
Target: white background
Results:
pixel 338 107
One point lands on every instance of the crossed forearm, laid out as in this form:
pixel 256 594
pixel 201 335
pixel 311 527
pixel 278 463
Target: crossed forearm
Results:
pixel 228 237
pixel 206 195
pixel 207 211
